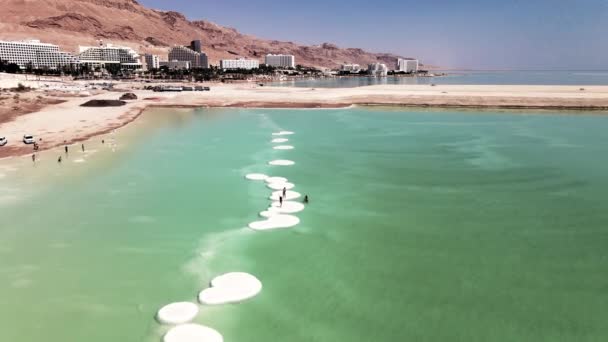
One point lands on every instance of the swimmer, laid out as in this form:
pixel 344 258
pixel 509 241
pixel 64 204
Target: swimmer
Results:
pixel 280 201
pixel 305 198
pixel 82 147
pixel 103 141
pixel 33 158
pixel 59 159
pixel 66 149
pixel 284 192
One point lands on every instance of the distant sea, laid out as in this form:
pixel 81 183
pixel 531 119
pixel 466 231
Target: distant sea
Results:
pixel 464 77
pixel 423 225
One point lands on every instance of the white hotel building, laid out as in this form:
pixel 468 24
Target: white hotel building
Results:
pixel 281 61
pixel 35 54
pixel 239 63
pixel 407 65
pixel 377 69
pixel 104 55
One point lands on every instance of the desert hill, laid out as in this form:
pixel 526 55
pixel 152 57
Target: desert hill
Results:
pixel 70 23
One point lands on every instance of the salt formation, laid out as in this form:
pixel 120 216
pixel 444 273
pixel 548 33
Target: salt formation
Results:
pixel 256 176
pixel 276 180
pixel 192 333
pixel 230 288
pixel 283 133
pixel 288 207
pixel 275 222
pixel 281 163
pixel 289 195
pixel 283 147
pixel 177 313
pixel 280 140
pixel 280 186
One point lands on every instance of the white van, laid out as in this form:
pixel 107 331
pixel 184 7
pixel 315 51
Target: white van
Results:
pixel 28 139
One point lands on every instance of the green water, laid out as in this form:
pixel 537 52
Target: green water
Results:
pixel 422 226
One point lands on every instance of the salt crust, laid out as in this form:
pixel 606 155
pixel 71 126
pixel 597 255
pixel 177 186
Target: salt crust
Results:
pixel 177 313
pixel 275 222
pixel 192 333
pixel 230 288
pixel 281 162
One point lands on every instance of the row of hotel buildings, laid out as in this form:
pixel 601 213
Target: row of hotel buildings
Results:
pixel 379 69
pixel 37 55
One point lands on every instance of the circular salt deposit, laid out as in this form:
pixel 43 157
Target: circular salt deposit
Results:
pixel 275 222
pixel 256 176
pixel 283 147
pixel 230 288
pixel 276 180
pixel 289 195
pixel 288 207
pixel 283 133
pixel 280 186
pixel 280 140
pixel 281 162
pixel 192 333
pixel 177 313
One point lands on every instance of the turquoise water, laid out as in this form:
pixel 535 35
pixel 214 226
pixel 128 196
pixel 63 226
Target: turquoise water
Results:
pixel 423 225
pixel 464 77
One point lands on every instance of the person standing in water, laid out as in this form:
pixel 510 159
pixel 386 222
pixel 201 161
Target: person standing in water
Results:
pixel 306 199
pixel 284 192
pixel 66 149
pixel 280 201
pixel 59 159
pixel 82 147
pixel 34 158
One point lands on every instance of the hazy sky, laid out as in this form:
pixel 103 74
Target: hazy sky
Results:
pixel 506 34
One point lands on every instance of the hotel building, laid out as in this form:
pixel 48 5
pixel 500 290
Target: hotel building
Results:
pixel 176 65
pixel 239 63
pixel 352 68
pixel 152 61
pixel 281 61
pixel 407 65
pixel 186 54
pixel 377 69
pixel 35 54
pixel 106 55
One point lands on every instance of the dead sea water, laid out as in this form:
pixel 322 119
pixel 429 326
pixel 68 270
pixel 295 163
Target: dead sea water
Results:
pixel 422 226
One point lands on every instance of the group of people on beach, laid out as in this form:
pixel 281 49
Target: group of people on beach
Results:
pixel 284 195
pixel 60 159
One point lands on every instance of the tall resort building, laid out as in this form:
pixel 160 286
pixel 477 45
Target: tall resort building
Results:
pixel 281 61
pixel 110 55
pixel 239 63
pixel 377 69
pixel 407 65
pixel 34 54
pixel 187 54
pixel 152 61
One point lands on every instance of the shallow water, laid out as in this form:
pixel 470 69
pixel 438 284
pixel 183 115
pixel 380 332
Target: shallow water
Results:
pixel 423 225
pixel 531 77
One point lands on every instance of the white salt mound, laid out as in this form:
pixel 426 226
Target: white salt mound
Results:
pixel 177 313
pixel 280 186
pixel 280 140
pixel 256 176
pixel 283 133
pixel 288 207
pixel 275 222
pixel 230 288
pixel 281 162
pixel 276 180
pixel 289 195
pixel 192 333
pixel 283 147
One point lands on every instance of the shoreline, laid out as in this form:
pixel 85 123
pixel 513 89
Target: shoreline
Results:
pixel 67 123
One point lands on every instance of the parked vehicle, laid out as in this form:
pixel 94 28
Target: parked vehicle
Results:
pixel 3 141
pixel 187 88
pixel 206 88
pixel 28 139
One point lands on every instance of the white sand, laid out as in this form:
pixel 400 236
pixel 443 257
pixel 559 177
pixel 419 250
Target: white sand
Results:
pixel 280 186
pixel 289 195
pixel 275 222
pixel 281 162
pixel 283 147
pixel 177 313
pixel 256 176
pixel 230 288
pixel 192 333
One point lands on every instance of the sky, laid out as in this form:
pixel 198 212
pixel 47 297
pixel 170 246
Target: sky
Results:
pixel 474 34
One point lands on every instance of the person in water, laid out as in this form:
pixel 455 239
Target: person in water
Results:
pixel 59 159
pixel 280 201
pixel 82 147
pixel 305 198
pixel 66 149
pixel 284 192
pixel 34 158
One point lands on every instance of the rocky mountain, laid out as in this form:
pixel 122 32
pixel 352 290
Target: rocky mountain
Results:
pixel 70 23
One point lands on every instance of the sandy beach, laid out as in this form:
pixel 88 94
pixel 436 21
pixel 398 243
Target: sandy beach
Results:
pixel 67 122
